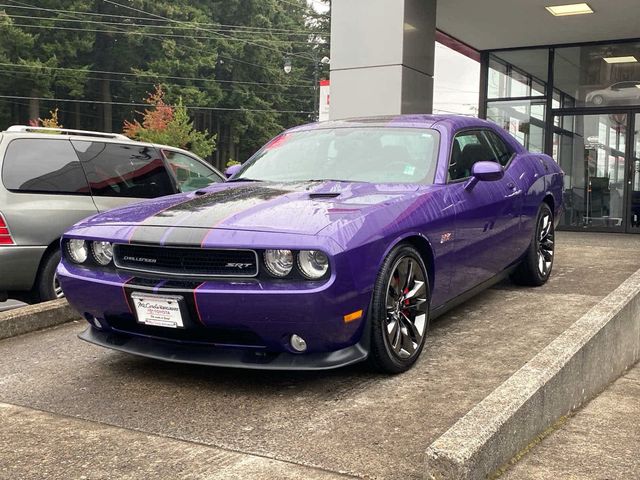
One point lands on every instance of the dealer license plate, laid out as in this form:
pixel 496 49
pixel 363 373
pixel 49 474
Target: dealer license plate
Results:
pixel 159 311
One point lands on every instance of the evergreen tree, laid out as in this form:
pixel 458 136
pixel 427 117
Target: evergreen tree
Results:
pixel 225 57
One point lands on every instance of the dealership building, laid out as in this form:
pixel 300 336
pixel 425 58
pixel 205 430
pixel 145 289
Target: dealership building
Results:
pixel 563 79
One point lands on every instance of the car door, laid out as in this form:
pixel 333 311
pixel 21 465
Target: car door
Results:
pixel 123 173
pixel 487 214
pixel 190 173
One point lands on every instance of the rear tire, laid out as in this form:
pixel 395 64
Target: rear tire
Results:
pixel 399 313
pixel 47 287
pixel 535 268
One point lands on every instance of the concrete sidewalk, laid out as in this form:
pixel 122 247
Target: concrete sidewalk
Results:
pixel 602 441
pixel 38 445
pixel 346 421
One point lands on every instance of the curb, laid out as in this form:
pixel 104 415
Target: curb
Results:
pixel 571 370
pixel 35 317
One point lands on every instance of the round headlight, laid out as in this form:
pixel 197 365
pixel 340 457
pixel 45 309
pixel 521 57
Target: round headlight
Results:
pixel 102 252
pixel 313 263
pixel 279 262
pixel 78 251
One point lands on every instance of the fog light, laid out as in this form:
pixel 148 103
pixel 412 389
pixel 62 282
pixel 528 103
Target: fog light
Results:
pixel 298 343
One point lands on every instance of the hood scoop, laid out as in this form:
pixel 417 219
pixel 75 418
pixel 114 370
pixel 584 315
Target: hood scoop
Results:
pixel 325 194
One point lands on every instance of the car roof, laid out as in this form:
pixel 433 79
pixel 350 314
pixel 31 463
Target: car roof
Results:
pixel 399 121
pixel 22 131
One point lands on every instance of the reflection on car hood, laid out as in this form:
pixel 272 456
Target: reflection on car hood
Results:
pixel 304 208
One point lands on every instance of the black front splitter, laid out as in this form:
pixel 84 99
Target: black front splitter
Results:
pixel 209 355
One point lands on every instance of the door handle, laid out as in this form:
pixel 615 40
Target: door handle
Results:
pixel 511 185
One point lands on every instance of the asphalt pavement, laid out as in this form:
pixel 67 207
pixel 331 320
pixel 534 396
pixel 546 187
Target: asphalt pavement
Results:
pixel 10 304
pixel 75 410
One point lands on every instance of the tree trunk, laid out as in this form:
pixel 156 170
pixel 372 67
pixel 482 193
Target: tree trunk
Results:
pixel 218 136
pixel 78 120
pixel 107 110
pixel 34 106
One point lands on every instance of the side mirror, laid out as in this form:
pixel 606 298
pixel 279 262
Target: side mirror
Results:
pixel 484 172
pixel 232 170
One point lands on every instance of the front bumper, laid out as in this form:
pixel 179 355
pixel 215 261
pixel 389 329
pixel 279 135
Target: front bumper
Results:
pixel 19 266
pixel 244 323
pixel 197 354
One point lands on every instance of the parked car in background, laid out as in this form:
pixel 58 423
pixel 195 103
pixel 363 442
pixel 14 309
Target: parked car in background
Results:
pixel 621 92
pixel 53 178
pixel 335 243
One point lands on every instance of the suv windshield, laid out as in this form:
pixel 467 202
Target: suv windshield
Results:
pixel 367 154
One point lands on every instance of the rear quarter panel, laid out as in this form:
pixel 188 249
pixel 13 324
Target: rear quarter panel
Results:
pixel 537 176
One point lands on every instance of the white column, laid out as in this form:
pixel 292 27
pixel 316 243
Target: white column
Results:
pixel 382 57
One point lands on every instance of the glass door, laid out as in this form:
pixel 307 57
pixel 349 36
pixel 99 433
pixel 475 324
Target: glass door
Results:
pixel 591 149
pixel 633 181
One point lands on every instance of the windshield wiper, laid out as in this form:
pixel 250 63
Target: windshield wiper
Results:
pixel 242 179
pixel 333 180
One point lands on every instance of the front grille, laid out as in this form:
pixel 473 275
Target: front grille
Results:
pixel 186 262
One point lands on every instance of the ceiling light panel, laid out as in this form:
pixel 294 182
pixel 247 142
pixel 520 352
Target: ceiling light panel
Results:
pixel 573 9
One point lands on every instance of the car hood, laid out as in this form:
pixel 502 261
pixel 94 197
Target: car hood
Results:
pixel 303 208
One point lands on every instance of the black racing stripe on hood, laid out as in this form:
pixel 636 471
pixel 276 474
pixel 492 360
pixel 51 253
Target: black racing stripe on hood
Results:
pixel 203 211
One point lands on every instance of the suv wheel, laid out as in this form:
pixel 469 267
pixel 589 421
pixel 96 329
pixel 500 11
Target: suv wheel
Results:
pixel 47 286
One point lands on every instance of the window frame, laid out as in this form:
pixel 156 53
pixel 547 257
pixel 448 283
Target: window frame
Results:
pixel 482 130
pixel 174 177
pixel 44 192
pixel 157 148
pixel 508 148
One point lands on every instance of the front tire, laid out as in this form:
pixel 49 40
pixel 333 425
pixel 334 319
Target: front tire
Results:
pixel 47 286
pixel 536 266
pixel 399 313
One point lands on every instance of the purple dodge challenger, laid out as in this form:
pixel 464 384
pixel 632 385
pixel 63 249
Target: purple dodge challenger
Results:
pixel 335 243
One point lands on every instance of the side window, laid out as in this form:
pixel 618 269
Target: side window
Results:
pixel 43 165
pixel 468 148
pixel 503 153
pixel 121 170
pixel 190 173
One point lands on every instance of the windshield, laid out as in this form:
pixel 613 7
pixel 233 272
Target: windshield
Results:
pixel 376 155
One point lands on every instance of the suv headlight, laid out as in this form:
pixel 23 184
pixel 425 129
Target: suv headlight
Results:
pixel 102 252
pixel 77 250
pixel 279 262
pixel 313 263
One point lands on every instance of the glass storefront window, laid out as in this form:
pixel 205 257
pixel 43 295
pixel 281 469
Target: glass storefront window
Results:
pixel 591 151
pixel 599 75
pixel 518 74
pixel 524 119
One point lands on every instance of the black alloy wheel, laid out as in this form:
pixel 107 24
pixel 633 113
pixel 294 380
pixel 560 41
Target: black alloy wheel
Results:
pixel 399 314
pixel 535 268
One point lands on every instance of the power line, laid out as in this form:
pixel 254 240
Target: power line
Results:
pixel 132 104
pixel 303 7
pixel 187 25
pixel 147 25
pixel 183 23
pixel 153 75
pixel 232 59
pixel 300 98
pixel 144 34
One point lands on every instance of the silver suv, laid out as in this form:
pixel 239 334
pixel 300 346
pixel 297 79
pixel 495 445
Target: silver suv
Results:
pixel 53 178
